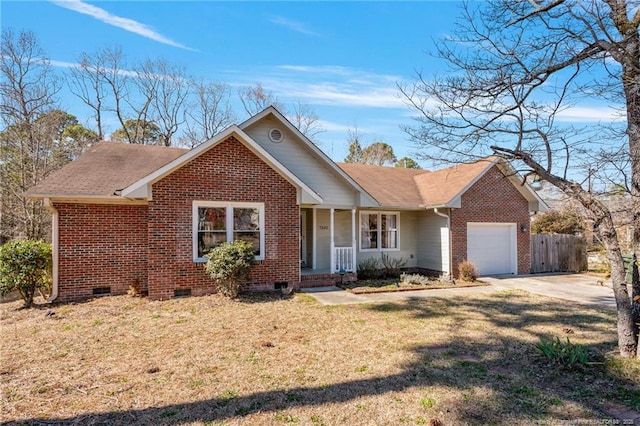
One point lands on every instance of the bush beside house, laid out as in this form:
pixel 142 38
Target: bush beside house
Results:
pixel 25 266
pixel 229 265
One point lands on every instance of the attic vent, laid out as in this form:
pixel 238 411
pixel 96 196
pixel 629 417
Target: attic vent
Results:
pixel 276 135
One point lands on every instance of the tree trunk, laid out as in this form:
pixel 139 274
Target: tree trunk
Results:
pixel 631 88
pixel 627 339
pixel 635 298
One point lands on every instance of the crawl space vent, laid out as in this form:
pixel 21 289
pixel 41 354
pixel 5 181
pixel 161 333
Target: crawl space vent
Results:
pixel 101 291
pixel 276 135
pixel 182 292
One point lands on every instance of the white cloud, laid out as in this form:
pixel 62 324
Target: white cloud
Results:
pixel 117 21
pixel 63 64
pixel 344 94
pixel 589 114
pixel 325 85
pixel 296 26
pixel 332 126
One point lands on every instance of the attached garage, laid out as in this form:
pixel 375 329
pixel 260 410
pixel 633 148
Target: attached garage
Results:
pixel 493 247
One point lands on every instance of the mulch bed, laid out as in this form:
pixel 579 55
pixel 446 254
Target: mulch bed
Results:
pixel 388 286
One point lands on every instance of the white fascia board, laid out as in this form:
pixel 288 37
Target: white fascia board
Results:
pixel 455 203
pixel 88 199
pixel 142 188
pixel 365 198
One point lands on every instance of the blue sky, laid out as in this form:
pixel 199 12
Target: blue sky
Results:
pixel 342 58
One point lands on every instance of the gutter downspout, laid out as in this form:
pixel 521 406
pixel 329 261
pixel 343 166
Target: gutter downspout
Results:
pixel 446 216
pixel 54 245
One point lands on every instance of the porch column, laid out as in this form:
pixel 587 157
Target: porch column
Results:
pixel 315 240
pixel 332 245
pixel 353 240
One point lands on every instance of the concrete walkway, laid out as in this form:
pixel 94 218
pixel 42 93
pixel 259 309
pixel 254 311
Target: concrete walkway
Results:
pixel 577 288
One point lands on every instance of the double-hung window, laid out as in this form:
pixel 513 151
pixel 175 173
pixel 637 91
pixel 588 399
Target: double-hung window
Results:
pixel 215 223
pixel 379 231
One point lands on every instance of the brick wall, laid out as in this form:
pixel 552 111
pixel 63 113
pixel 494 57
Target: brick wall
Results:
pixel 100 246
pixel 228 172
pixel 493 198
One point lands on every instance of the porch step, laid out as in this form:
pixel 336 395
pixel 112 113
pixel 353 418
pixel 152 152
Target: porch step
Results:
pixel 323 280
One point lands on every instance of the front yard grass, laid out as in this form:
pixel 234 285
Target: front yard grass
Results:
pixel 261 360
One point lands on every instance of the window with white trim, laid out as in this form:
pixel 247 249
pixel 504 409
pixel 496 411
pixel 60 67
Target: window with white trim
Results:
pixel 217 222
pixel 379 231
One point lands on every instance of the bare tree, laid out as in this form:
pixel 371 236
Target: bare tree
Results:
pixel 28 89
pixel 167 86
pixel 516 67
pixel 256 98
pixel 306 120
pixel 209 111
pixel 87 83
pixel 354 139
pixel 143 90
pixel 113 73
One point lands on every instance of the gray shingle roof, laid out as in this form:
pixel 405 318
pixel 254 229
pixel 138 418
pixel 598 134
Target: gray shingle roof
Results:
pixel 107 167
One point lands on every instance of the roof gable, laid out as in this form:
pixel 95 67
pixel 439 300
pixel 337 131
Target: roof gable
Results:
pixel 409 188
pixel 143 187
pixel 305 159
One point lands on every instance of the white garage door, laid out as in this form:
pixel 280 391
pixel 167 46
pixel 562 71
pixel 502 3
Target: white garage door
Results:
pixel 492 247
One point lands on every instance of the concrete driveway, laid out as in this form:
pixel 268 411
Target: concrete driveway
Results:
pixel 577 288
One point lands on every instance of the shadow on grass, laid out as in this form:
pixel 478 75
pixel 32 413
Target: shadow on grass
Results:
pixel 517 383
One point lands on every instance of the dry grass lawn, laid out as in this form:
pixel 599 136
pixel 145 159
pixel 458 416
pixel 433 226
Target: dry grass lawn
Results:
pixel 265 361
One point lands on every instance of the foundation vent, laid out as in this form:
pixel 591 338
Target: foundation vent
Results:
pixel 182 292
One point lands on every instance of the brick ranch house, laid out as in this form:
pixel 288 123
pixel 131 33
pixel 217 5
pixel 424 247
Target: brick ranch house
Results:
pixel 141 215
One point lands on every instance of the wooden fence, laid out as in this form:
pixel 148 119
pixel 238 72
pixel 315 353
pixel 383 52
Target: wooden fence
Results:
pixel 558 253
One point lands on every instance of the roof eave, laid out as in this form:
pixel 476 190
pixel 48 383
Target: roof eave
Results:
pixel 86 199
pixel 143 187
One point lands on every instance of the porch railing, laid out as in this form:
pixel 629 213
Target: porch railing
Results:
pixel 343 257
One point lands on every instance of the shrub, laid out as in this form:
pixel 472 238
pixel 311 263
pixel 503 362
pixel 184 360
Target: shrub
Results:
pixel 391 265
pixel 229 265
pixel 566 353
pixel 25 266
pixel 368 269
pixel 567 221
pixel 467 271
pixel 415 279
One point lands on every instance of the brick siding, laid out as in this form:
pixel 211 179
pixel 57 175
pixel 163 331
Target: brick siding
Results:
pixel 100 246
pixel 493 198
pixel 227 172
pixel 118 246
